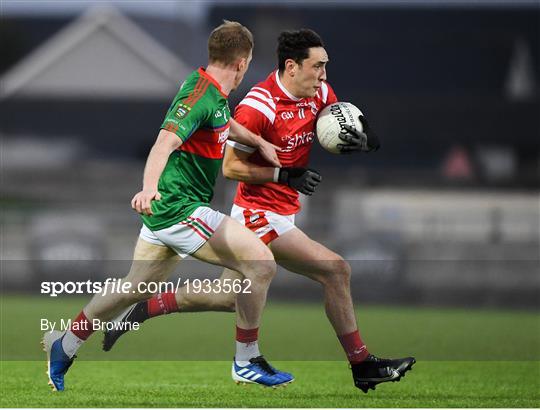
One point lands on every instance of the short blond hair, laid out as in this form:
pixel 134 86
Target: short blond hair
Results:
pixel 228 42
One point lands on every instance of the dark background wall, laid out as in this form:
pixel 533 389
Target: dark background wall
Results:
pixel 428 79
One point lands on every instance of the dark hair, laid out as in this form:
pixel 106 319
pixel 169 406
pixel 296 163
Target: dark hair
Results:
pixel 296 45
pixel 229 42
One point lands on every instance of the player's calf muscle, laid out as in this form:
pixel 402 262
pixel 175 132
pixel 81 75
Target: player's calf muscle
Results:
pixel 215 301
pixel 105 307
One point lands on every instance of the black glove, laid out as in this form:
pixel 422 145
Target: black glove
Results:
pixel 304 180
pixel 365 141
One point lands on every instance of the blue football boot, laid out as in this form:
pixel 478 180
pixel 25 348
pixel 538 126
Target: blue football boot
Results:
pixel 58 361
pixel 258 371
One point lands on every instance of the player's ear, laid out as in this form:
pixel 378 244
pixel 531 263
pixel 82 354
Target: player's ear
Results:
pixel 290 67
pixel 241 64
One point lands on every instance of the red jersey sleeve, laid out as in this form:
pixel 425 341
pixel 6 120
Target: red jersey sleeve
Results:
pixel 255 114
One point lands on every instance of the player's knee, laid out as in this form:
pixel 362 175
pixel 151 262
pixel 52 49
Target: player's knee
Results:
pixel 260 271
pixel 343 269
pixel 262 266
pixel 340 271
pixel 265 270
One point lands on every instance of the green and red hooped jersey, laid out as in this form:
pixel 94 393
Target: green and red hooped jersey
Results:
pixel 199 115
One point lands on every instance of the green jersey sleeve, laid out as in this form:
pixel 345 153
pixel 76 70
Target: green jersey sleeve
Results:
pixel 184 119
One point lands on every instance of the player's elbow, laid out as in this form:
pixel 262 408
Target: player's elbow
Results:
pixel 167 141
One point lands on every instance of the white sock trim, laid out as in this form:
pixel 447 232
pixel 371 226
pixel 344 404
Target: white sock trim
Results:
pixel 71 343
pixel 246 351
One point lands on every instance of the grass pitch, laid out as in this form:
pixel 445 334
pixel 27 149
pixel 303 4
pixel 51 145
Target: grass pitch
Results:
pixel 318 384
pixel 465 358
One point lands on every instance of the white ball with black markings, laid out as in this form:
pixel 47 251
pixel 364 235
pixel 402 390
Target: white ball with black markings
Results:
pixel 330 124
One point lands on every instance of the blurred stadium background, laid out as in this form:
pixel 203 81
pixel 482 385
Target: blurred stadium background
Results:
pixel 447 213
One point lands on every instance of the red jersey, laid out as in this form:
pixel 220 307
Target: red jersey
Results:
pixel 270 111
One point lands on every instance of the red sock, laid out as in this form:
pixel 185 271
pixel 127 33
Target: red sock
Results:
pixel 247 335
pixel 162 304
pixel 355 349
pixel 81 326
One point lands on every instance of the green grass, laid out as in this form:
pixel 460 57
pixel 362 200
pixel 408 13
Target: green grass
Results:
pixel 319 384
pixel 466 358
pixel 288 332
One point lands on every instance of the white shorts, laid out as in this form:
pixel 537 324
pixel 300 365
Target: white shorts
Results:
pixel 267 225
pixel 187 236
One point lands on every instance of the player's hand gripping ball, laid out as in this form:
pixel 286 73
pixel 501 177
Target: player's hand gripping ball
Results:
pixel 342 129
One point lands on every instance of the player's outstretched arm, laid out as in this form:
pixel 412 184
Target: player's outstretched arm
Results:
pixel 236 166
pixel 244 136
pixel 166 143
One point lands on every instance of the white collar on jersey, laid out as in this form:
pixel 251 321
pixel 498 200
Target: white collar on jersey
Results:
pixel 287 93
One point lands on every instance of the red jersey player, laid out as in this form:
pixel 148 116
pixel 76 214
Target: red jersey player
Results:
pixel 271 111
pixel 283 110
